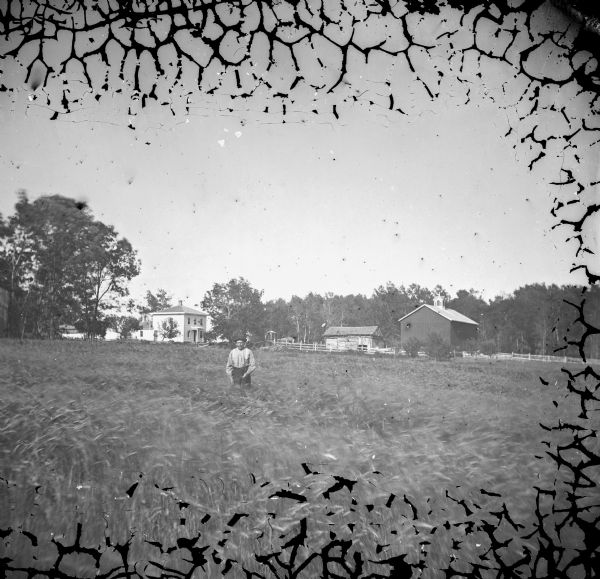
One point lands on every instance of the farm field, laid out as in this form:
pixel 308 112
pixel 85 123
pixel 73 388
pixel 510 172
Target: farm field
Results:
pixel 146 446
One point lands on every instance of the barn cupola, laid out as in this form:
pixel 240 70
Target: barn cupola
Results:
pixel 438 302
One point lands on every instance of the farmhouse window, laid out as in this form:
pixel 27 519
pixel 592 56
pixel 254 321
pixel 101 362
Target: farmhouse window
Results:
pixel 200 321
pixel 189 320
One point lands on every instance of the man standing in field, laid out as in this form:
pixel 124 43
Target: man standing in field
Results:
pixel 240 365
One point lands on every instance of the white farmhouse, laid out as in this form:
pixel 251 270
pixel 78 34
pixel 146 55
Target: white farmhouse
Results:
pixel 191 324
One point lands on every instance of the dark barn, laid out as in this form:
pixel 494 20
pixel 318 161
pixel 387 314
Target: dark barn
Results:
pixel 452 326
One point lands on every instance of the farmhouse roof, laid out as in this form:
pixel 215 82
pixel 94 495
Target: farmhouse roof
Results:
pixel 447 313
pixel 351 331
pixel 180 309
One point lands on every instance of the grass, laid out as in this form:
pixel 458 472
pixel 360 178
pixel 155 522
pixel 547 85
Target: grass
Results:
pixel 147 443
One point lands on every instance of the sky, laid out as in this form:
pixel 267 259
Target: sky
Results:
pixel 316 204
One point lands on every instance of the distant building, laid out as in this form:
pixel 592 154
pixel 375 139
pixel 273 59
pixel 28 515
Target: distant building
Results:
pixel 454 327
pixel 360 338
pixel 69 332
pixel 67 329
pixel 191 325
pixel 111 335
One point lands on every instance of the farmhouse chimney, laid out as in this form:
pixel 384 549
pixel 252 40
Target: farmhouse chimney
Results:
pixel 180 302
pixel 438 302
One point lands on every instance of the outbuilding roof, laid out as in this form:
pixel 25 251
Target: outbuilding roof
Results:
pixel 449 314
pixel 334 331
pixel 180 309
pixel 67 328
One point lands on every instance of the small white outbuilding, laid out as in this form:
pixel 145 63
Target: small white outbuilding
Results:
pixel 361 338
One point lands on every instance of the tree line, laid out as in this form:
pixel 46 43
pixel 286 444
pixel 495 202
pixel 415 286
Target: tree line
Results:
pixel 61 267
pixel 536 318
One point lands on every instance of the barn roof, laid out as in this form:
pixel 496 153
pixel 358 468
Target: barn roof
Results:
pixel 447 313
pixel 334 331
pixel 180 309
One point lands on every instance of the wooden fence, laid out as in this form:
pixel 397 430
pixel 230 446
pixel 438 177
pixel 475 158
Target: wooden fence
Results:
pixel 323 348
pixel 393 351
pixel 538 358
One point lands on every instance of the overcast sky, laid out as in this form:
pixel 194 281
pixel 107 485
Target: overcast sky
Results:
pixel 438 197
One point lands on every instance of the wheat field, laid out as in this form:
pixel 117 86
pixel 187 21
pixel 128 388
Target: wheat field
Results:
pixel 129 450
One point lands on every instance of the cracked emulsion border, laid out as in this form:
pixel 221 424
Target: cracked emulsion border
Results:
pixel 239 49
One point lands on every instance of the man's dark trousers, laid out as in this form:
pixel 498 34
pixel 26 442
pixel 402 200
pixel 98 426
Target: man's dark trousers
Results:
pixel 237 377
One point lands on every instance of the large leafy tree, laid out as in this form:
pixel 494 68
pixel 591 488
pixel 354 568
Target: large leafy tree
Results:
pixel 103 264
pixel 235 308
pixel 62 266
pixel 42 247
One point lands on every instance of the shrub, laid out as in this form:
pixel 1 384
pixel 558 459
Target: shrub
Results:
pixel 437 348
pixel 488 347
pixel 169 330
pixel 413 346
pixel 471 345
